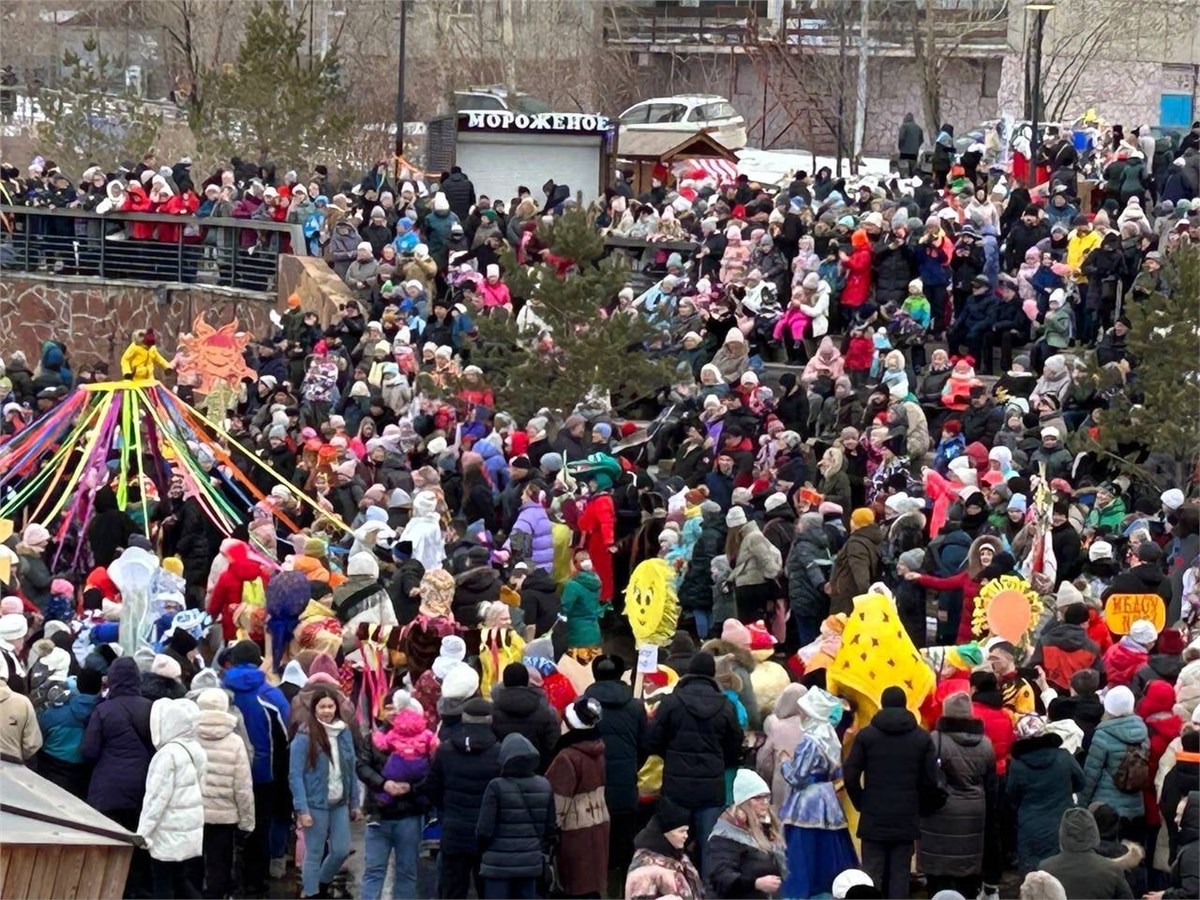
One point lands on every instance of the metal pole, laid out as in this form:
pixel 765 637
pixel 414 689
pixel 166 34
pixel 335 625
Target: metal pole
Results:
pixel 400 89
pixel 1034 143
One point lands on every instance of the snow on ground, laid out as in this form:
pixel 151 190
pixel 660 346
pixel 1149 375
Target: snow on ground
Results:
pixel 777 166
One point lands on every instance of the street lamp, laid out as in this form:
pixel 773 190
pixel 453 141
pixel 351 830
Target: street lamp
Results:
pixel 1039 28
pixel 400 89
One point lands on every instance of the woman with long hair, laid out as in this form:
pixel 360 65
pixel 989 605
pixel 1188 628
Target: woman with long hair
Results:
pixel 324 790
pixel 746 854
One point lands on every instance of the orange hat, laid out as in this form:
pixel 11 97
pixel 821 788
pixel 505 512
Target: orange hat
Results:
pixel 862 517
pixel 293 301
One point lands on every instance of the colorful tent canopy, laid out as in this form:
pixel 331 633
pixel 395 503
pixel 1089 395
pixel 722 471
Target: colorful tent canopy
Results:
pixel 59 462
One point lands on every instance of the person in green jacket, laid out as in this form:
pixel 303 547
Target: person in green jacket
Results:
pixel 1108 512
pixel 1054 334
pixel 581 608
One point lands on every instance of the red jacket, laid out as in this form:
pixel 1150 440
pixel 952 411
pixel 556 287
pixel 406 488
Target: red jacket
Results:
pixel 227 593
pixel 858 272
pixel 998 726
pixel 178 205
pixel 136 201
pixel 959 581
pixel 859 353
pixel 1097 630
pixel 1155 709
pixel 1122 662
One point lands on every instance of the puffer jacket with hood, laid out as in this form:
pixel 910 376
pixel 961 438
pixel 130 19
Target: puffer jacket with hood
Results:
pixel 462 769
pixel 118 741
pixel 525 710
pixel 172 820
pixel 952 839
pixel 533 521
pixel 265 712
pixel 623 728
pixel 63 719
pixel 1062 650
pixel 1111 740
pixel 1042 781
pixel 227 789
pixel 1078 867
pixel 227 592
pixel 516 813
pixel 696 732
pixel 808 567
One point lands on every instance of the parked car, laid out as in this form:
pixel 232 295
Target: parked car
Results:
pixel 688 113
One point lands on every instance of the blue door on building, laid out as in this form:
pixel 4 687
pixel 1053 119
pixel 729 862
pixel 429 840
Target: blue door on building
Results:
pixel 1175 111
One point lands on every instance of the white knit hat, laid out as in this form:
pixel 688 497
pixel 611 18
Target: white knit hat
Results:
pixel 748 784
pixel 461 682
pixel 1144 632
pixel 1119 701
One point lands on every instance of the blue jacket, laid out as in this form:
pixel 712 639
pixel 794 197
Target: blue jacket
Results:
pixel 266 713
pixel 493 459
pixel 1111 740
pixel 63 726
pixel 310 787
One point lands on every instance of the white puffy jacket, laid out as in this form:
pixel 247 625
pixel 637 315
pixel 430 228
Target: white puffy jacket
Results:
pixel 227 789
pixel 172 820
pixel 818 312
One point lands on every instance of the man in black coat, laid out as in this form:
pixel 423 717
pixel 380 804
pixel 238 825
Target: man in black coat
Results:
pixel 1010 327
pixel 892 764
pixel 1025 233
pixel 623 729
pixel 461 770
pixel 1144 578
pixel 982 419
pixel 696 732
pixel 909 143
pixel 460 193
pixel 519 708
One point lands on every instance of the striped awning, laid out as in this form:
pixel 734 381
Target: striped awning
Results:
pixel 706 171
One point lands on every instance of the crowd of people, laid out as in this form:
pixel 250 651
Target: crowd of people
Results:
pixel 426 619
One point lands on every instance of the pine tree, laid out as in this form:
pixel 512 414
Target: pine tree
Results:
pixel 275 101
pixel 578 353
pixel 93 118
pixel 1157 410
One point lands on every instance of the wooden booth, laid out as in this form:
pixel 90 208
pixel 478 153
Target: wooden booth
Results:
pixel 648 151
pixel 52 844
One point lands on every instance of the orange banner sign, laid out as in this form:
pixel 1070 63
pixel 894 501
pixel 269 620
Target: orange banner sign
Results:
pixel 1122 610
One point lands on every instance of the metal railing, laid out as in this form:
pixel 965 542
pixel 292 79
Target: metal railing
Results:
pixel 238 253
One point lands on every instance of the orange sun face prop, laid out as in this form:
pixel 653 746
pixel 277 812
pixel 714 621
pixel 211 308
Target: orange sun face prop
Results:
pixel 209 354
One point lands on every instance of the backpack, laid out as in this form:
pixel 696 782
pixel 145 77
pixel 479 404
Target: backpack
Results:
pixel 1133 773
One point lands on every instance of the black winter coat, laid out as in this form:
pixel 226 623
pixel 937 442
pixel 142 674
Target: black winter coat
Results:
pixel 118 741
pixel 623 729
pixel 461 770
pixel 1143 579
pixel 735 863
pixel 1041 779
pixel 369 764
pixel 525 711
pixel 696 732
pixel 696 589
pixel 809 564
pixel 516 813
pixel 892 763
pixel 1020 238
pixel 460 194
pixel 952 839
pixel 893 268
pixel 539 601
pixel 982 424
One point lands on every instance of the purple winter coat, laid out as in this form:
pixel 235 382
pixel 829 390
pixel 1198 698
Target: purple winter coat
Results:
pixel 118 741
pixel 533 520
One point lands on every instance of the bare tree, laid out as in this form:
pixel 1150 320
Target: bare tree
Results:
pixel 937 30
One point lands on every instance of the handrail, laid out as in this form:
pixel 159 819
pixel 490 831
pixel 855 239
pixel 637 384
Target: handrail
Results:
pixel 294 230
pixel 149 247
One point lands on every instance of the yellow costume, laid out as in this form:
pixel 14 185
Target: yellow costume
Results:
pixel 138 361
pixel 877 653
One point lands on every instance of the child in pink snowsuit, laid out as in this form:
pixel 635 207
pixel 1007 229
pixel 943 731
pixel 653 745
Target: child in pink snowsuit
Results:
pixel 794 322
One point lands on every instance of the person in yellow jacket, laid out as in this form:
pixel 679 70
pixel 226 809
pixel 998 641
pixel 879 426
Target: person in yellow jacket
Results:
pixel 1083 240
pixel 141 356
